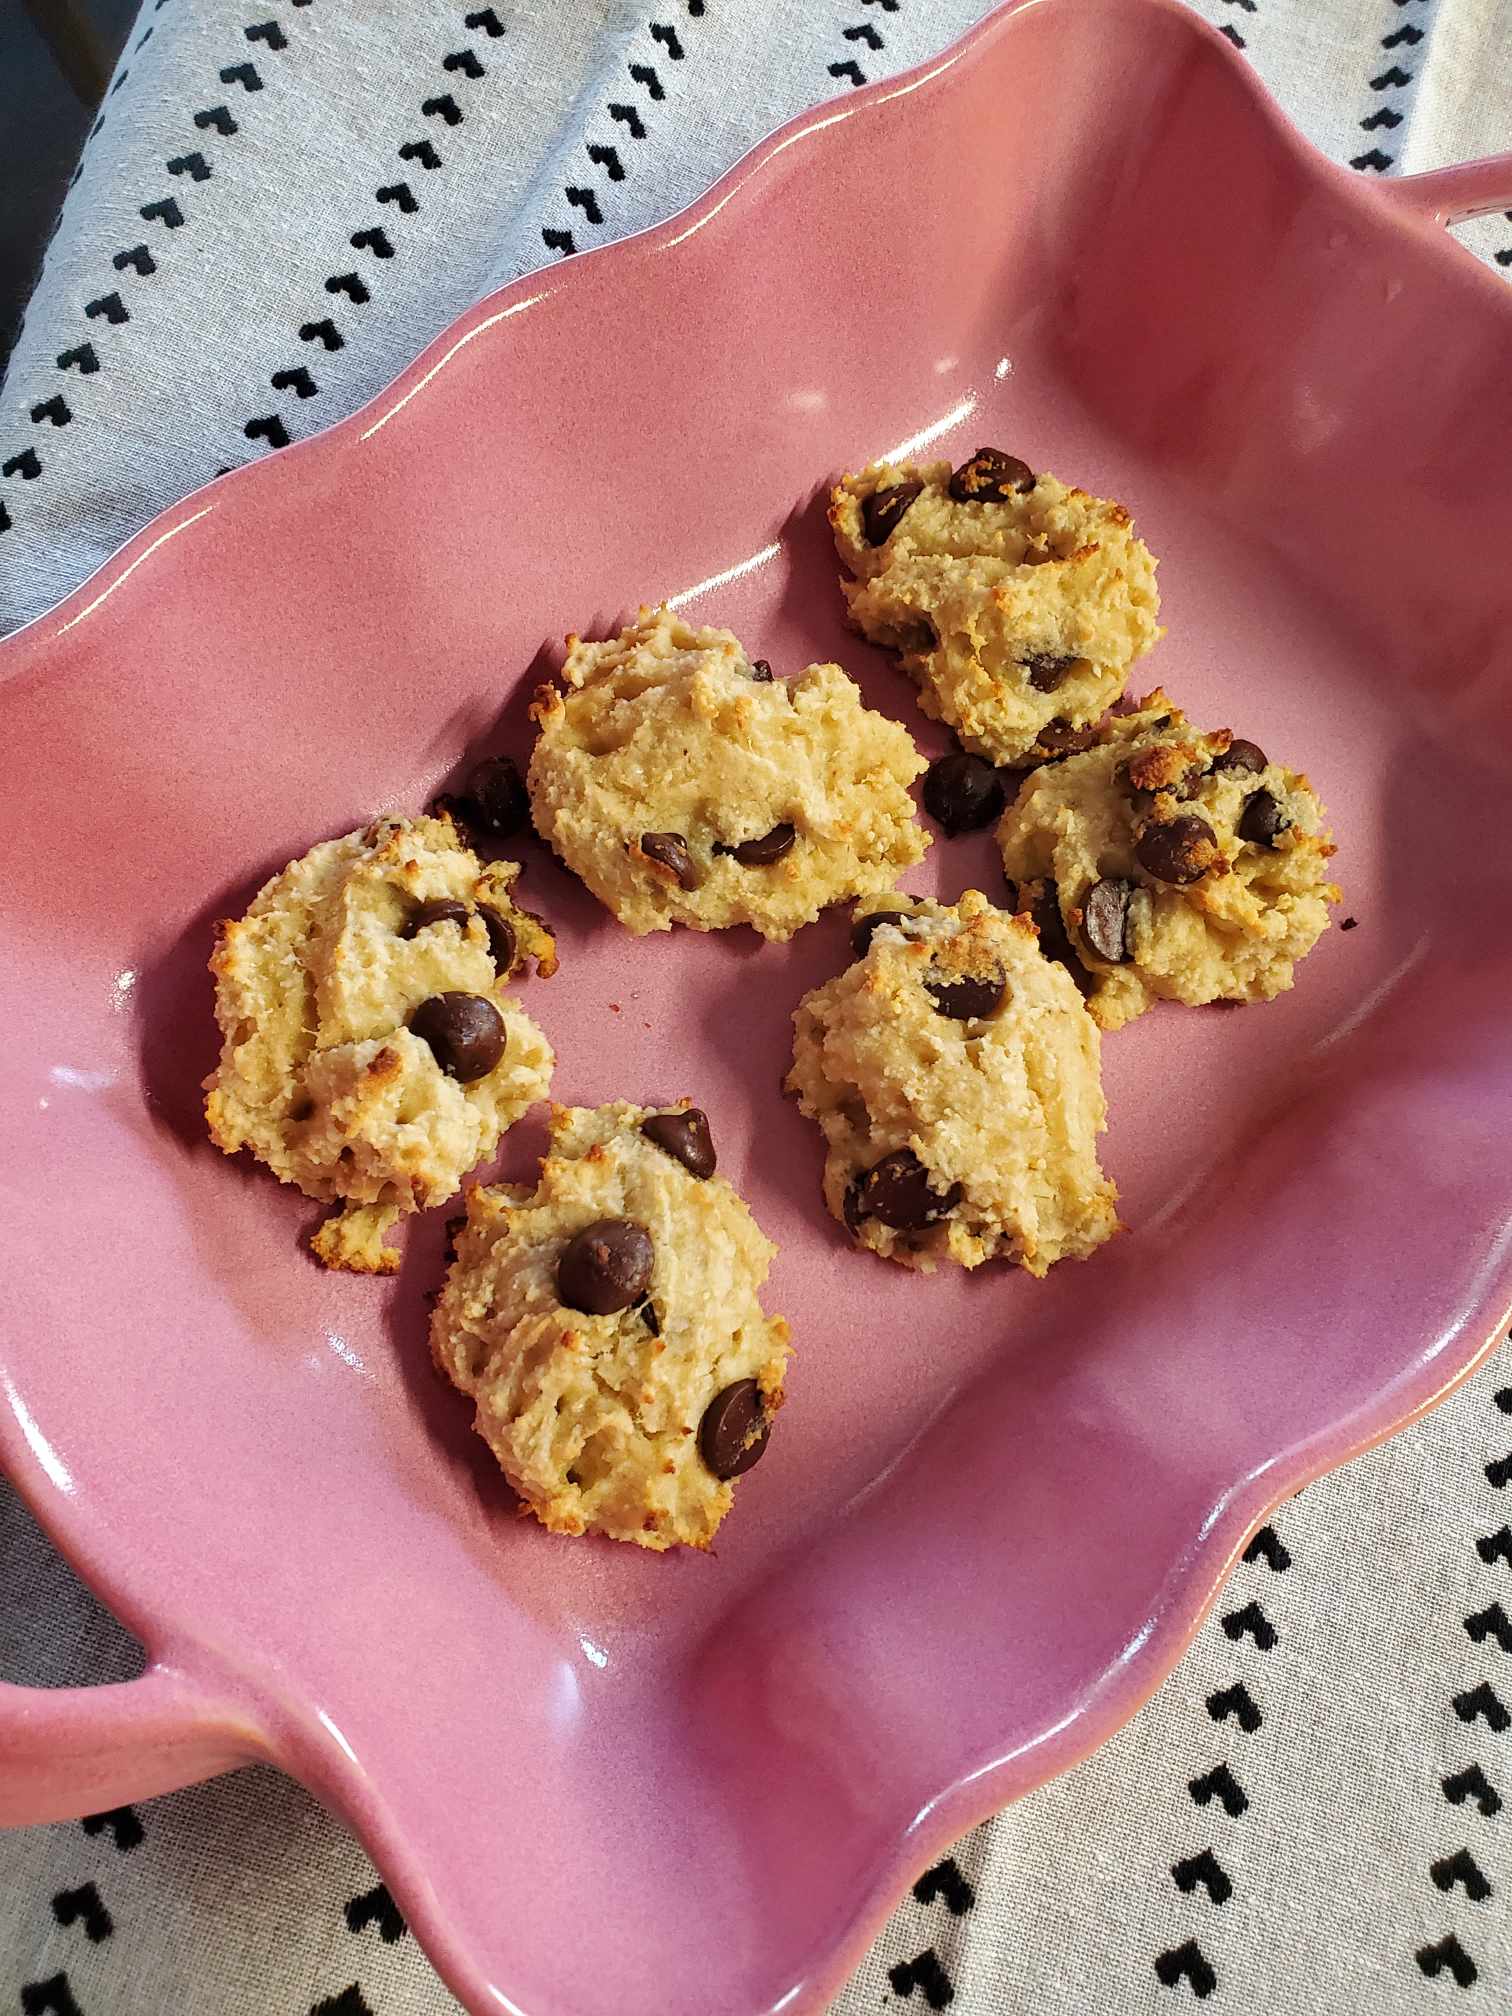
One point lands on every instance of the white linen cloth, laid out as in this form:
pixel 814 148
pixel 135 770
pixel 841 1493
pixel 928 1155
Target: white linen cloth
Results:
pixel 1311 1815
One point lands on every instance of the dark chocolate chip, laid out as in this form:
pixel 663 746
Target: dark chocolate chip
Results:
pixel 967 1000
pixel 685 1137
pixel 1262 819
pixel 465 1033
pixel 1241 755
pixel 1177 850
pixel 1350 924
pixel 1105 918
pixel 605 1267
pixel 670 850
pixel 503 942
pixel 497 802
pixel 1054 939
pixel 732 1436
pixel 761 672
pixel 963 792
pixel 865 929
pixel 899 1191
pixel 1059 738
pixel 439 910
pixel 1047 672
pixel 650 1318
pixel 769 847
pixel 991 477
pixel 881 511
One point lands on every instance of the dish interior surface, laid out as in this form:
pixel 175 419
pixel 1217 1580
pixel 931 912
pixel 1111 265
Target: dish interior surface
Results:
pixel 993 1509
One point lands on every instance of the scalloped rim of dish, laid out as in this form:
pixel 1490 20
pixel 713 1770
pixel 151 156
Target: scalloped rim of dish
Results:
pixel 1197 1577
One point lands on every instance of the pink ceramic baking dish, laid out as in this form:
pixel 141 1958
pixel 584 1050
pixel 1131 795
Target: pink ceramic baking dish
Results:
pixel 608 1784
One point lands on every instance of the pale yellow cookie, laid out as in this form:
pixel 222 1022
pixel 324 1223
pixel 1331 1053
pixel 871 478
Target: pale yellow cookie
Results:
pixel 325 991
pixel 1182 865
pixel 1017 605
pixel 608 1328
pixel 687 786
pixel 955 1074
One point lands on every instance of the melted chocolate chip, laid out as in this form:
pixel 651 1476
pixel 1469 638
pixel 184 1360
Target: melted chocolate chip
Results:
pixel 649 1317
pixel 963 792
pixel 1241 755
pixel 967 1000
pixel 605 1267
pixel 1054 939
pixel 1105 918
pixel 503 942
pixel 1262 819
pixel 1059 738
pixel 762 852
pixel 464 1032
pixel 1179 850
pixel 497 802
pixel 865 929
pixel 670 850
pixel 685 1137
pixel 900 1192
pixel 732 1436
pixel 991 477
pixel 1047 672
pixel 439 910
pixel 881 511
pixel 761 672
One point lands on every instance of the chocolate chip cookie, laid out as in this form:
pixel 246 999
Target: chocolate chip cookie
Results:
pixel 371 1055
pixel 955 1073
pixel 687 785
pixel 608 1328
pixel 1169 863
pixel 1017 604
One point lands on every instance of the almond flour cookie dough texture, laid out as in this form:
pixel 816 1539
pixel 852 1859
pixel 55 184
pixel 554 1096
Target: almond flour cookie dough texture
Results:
pixel 607 1327
pixel 685 785
pixel 1168 863
pixel 370 1053
pixel 954 1071
pixel 1017 604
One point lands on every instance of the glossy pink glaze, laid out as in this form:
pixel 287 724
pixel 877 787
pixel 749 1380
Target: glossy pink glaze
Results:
pixel 996 1509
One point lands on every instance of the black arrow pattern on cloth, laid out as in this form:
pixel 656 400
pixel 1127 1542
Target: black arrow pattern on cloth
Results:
pixel 84 1907
pixel 1461 1868
pixel 270 428
pixel 25 465
pixel 1472 1783
pixel 218 117
pixel 164 211
pixel 138 258
pixel 1483 1701
pixel 1206 1870
pixel 925 1973
pixel 1449 1953
pixel 372 238
pixel 1188 1963
pixel 324 332
pixel 244 74
pixel 1266 1546
pixel 111 306
pixel 1251 1621
pixel 83 360
pixel 348 2003
pixel 268 32
pixel 1220 1784
pixel 399 193
pixel 1492 1622
pixel 49 1998
pixel 1238 1702
pixel 486 20
pixel 465 61
pixel 421 151
pixel 1497 1546
pixel 194 165
pixel 377 1908
pixel 55 409
pixel 296 379
pixel 945 1881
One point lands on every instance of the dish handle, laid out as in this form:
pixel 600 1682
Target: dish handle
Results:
pixel 1451 195
pixel 70 1751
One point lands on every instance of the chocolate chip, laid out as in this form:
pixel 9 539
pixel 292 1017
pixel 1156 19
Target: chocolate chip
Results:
pixel 1054 939
pixel 762 852
pixel 1047 672
pixel 670 850
pixel 898 1190
pixel 685 1137
pixel 1262 819
pixel 991 477
pixel 1105 918
pixel 1177 850
pixel 649 1317
pixel 865 929
pixel 1241 755
pixel 497 802
pixel 761 672
pixel 967 1000
pixel 1059 738
pixel 1350 924
pixel 732 1436
pixel 502 940
pixel 881 511
pixel 605 1267
pixel 963 792
pixel 465 1033
pixel 439 910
